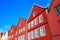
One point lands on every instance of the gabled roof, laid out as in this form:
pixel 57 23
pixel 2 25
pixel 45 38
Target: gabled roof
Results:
pixel 21 21
pixel 12 30
pixel 36 8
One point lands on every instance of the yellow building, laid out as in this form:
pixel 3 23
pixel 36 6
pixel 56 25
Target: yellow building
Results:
pixel 0 36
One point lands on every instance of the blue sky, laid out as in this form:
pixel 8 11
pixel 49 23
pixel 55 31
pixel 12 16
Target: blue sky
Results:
pixel 12 10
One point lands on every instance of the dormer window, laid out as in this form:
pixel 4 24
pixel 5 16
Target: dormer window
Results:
pixel 58 9
pixel 34 13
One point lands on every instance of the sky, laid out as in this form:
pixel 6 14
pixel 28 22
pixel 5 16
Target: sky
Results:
pixel 12 10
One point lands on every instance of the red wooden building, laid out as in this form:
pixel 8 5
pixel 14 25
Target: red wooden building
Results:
pixel 54 19
pixel 37 24
pixel 11 33
pixel 21 29
pixel 42 24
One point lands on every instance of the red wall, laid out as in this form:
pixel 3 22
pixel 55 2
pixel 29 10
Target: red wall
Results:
pixel 53 20
pixel 45 22
pixel 21 21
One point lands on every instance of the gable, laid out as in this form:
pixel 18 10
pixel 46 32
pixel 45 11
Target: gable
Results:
pixel 21 22
pixel 37 10
pixel 12 30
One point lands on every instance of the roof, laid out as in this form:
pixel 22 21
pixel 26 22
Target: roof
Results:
pixel 36 8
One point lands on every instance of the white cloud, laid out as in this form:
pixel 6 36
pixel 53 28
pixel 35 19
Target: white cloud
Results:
pixel 7 27
pixel 1 30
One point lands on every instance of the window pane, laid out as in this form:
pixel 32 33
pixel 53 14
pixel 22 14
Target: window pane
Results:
pixel 23 37
pixel 23 28
pixel 36 33
pixel 32 34
pixel 29 36
pixel 42 31
pixel 34 13
pixel 32 23
pixel 58 9
pixel 19 30
pixel 28 25
pixel 18 38
pixel 41 18
pixel 36 21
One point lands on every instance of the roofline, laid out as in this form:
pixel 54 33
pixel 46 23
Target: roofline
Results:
pixel 50 5
pixel 32 8
pixel 39 6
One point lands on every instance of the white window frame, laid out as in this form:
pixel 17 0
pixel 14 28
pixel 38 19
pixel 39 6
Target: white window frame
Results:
pixel 23 28
pixel 19 31
pixel 41 18
pixel 21 37
pixel 24 37
pixel 29 35
pixel 37 32
pixel 34 13
pixel 32 23
pixel 32 34
pixel 28 25
pixel 36 21
pixel 42 31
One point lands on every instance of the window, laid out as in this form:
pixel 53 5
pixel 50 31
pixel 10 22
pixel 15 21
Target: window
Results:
pixel 28 25
pixel 36 21
pixel 29 35
pixel 18 37
pixel 41 18
pixel 32 34
pixel 23 28
pixel 32 23
pixel 36 33
pixel 19 30
pixel 42 31
pixel 58 9
pixel 34 13
pixel 23 37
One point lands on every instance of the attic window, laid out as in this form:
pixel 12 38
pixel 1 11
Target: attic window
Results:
pixel 34 13
pixel 58 9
